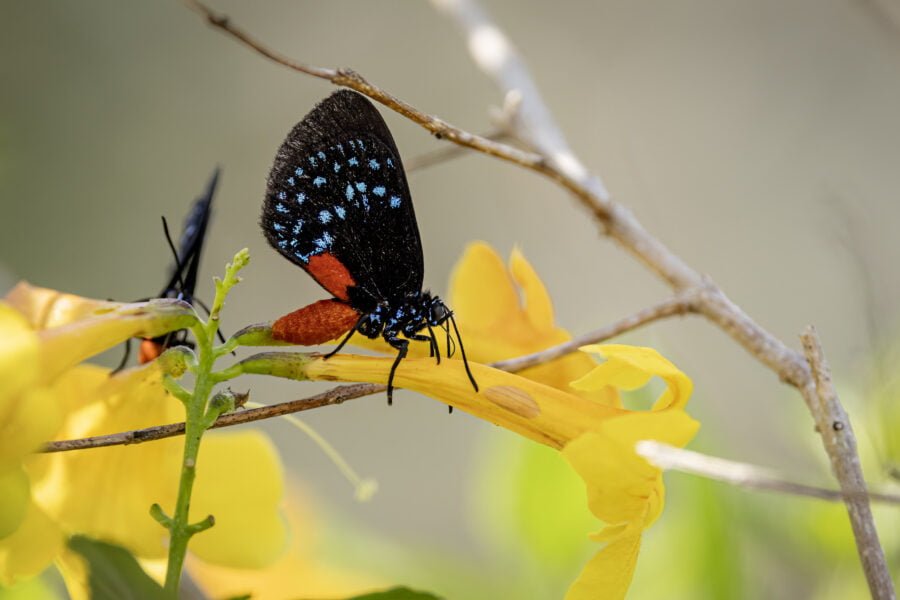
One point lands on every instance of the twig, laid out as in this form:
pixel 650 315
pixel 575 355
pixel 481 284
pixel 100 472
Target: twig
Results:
pixel 741 474
pixel 446 153
pixel 833 425
pixel 336 395
pixel 339 394
pixel 676 305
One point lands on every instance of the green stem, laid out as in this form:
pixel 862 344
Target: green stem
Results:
pixel 180 530
pixel 196 423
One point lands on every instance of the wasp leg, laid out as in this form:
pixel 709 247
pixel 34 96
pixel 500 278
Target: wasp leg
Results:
pixel 125 357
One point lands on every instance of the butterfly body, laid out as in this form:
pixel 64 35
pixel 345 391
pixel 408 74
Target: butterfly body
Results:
pixel 338 205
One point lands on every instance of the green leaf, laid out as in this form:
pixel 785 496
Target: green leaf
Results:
pixel 114 574
pixel 396 593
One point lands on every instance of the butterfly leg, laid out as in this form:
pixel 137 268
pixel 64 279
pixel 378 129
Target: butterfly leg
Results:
pixel 346 339
pixel 432 343
pixel 435 348
pixel 402 347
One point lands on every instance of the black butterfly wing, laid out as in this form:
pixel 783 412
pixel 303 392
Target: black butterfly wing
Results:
pixel 183 275
pixel 338 189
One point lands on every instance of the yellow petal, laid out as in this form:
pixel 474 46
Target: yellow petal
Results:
pixel 536 300
pixel 14 500
pixel 240 481
pixel 300 572
pixel 481 293
pixel 532 409
pixel 45 308
pixel 622 486
pixel 630 367
pixel 65 346
pixel 76 574
pixel 18 357
pixel 608 574
pixel 34 418
pixel 106 493
pixel 31 548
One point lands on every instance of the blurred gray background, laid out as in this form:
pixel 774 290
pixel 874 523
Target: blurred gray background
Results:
pixel 759 139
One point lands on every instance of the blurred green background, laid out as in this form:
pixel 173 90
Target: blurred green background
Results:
pixel 759 139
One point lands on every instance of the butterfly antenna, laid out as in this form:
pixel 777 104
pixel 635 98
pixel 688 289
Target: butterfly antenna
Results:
pixel 462 351
pixel 451 345
pixel 178 267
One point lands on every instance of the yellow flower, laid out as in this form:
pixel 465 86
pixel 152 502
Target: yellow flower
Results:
pixel 503 313
pixel 106 493
pixel 584 419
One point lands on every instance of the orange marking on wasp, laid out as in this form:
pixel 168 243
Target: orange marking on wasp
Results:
pixel 315 324
pixel 331 274
pixel 149 350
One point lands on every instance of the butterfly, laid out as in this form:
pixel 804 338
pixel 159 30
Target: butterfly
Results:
pixel 338 205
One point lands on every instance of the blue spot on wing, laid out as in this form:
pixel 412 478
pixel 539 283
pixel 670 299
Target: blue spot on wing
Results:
pixel 353 162
pixel 301 197
pixel 339 210
pixel 374 164
pixel 349 192
pixel 337 166
pixel 321 155
pixel 361 186
pixel 298 171
pixel 319 181
pixel 325 216
pixel 395 202
pixel 378 190
pixel 281 208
